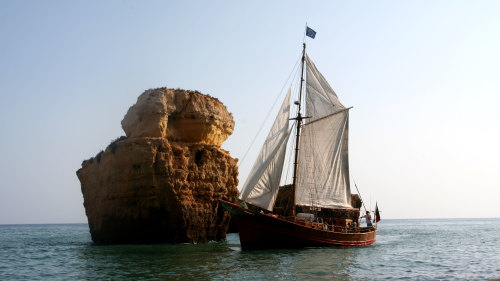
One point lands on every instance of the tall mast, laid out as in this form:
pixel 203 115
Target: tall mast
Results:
pixel 299 123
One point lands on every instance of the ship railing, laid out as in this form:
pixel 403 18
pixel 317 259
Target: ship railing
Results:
pixel 320 224
pixel 327 227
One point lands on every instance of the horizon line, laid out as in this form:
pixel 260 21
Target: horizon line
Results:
pixel 63 223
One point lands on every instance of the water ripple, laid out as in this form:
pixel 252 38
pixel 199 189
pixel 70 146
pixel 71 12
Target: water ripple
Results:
pixel 405 250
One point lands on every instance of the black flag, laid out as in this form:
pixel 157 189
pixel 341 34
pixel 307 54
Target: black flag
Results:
pixel 377 213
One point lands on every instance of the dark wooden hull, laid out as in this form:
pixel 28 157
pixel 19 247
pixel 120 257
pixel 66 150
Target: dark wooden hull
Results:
pixel 263 231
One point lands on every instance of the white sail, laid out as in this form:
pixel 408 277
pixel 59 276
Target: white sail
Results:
pixel 323 170
pixel 321 100
pixel 261 187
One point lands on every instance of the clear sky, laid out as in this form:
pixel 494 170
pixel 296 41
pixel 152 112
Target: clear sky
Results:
pixel 422 76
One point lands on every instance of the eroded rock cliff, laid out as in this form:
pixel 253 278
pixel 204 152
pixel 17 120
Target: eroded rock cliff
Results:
pixel 162 182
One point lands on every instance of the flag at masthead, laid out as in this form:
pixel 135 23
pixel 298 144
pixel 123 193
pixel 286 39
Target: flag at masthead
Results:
pixel 310 32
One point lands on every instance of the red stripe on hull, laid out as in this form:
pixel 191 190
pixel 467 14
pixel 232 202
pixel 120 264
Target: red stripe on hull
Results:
pixel 259 231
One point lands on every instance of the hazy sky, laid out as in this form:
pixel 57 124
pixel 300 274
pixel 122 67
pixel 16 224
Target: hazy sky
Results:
pixel 423 78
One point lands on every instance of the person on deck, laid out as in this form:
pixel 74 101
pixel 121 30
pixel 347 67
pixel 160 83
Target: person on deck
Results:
pixel 368 219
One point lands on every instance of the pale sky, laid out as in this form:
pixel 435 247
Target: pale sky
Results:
pixel 422 76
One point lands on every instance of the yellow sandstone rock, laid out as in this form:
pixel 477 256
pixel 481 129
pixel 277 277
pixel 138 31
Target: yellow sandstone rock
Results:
pixel 163 181
pixel 179 115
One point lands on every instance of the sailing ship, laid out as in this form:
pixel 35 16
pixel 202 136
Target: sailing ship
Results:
pixel 317 208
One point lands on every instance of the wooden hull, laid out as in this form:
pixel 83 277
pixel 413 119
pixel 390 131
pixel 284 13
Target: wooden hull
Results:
pixel 263 231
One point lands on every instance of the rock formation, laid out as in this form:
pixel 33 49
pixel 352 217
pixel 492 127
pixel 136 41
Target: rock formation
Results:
pixel 162 182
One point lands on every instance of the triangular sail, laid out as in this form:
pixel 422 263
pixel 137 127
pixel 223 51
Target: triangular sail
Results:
pixel 321 100
pixel 323 170
pixel 261 187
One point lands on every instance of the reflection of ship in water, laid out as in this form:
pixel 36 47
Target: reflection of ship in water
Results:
pixel 338 265
pixel 317 208
pixel 296 264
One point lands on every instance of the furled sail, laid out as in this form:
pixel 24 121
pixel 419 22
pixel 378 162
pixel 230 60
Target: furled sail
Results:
pixel 323 170
pixel 261 187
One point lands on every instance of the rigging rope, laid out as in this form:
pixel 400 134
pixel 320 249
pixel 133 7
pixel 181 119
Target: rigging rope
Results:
pixel 359 193
pixel 268 114
pixel 291 145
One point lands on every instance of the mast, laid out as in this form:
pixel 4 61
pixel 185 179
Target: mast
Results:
pixel 299 123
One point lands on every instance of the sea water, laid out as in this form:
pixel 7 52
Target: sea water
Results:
pixel 444 249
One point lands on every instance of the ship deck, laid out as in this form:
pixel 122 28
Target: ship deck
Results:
pixel 261 231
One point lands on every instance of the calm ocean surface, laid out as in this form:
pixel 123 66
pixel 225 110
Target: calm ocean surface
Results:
pixel 445 249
